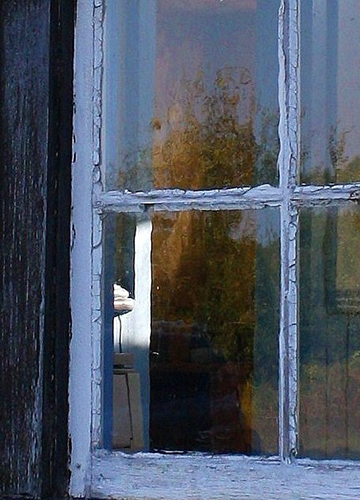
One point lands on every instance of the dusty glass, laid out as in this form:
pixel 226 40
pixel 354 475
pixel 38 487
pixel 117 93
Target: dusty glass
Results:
pixel 329 332
pixel 194 330
pixel 330 91
pixel 190 96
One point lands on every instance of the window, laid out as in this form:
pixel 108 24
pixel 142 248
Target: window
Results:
pixel 213 178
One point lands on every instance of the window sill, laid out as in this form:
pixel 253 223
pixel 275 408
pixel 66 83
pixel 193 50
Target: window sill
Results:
pixel 180 477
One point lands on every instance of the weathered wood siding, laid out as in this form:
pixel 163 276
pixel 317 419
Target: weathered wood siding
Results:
pixel 35 155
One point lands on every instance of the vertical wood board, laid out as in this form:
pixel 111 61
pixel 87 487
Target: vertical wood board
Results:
pixel 35 155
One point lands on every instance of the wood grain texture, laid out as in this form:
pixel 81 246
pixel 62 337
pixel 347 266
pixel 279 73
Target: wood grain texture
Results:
pixel 24 136
pixel 161 477
pixel 34 190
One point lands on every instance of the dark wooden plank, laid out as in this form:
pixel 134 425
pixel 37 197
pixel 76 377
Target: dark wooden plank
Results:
pixel 35 153
pixel 57 285
pixel 24 99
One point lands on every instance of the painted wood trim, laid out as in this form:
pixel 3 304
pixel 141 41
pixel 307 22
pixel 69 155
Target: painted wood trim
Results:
pixel 80 384
pixel 225 199
pixel 198 477
pixel 177 199
pixel 144 476
pixel 288 162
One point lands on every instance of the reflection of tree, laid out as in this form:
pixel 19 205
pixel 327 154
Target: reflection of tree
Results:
pixel 210 136
pixel 207 139
pixel 210 275
pixel 337 168
pixel 208 293
pixel 207 146
pixel 216 264
pixel 350 172
pixel 329 340
pixel 215 290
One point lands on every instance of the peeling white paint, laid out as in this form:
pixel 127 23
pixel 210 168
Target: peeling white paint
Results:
pixel 96 264
pixel 319 195
pixel 288 165
pixel 149 476
pixel 288 337
pixel 81 284
pixel 200 477
pixel 177 199
pixel 229 199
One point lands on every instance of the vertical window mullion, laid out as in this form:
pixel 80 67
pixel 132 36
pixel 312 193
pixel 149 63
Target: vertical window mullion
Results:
pixel 289 140
pixel 288 341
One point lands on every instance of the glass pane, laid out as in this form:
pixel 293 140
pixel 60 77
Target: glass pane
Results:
pixel 329 333
pixel 191 94
pixel 330 83
pixel 196 323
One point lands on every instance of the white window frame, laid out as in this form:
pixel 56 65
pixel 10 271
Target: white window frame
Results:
pixel 98 473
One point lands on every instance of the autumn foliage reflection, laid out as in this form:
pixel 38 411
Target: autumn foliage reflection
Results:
pixel 214 342
pixel 329 332
pixel 215 275
pixel 208 375
pixel 207 139
pixel 206 145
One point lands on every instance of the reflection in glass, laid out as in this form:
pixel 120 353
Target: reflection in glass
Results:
pixel 330 83
pixel 191 96
pixel 329 333
pixel 202 335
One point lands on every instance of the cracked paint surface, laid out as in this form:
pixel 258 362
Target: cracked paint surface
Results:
pixel 120 475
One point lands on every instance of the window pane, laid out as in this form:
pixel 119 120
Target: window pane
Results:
pixel 204 287
pixel 330 82
pixel 329 333
pixel 191 94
